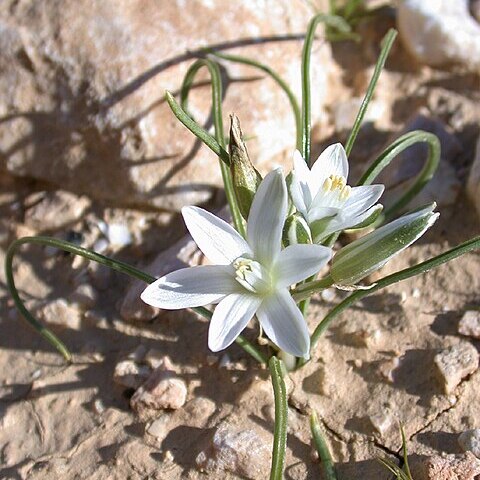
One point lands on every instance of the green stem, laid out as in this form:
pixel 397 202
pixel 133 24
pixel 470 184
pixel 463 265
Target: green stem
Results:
pixel 322 448
pixel 216 80
pixel 387 43
pixel 276 78
pixel 330 20
pixel 468 246
pixel 281 417
pixel 391 152
pixel 103 260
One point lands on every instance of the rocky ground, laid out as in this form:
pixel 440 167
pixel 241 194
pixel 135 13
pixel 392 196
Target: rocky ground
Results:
pixel 90 154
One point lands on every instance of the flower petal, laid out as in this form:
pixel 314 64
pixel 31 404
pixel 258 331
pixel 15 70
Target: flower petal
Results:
pixel 304 176
pixel 362 198
pixel 298 262
pixel 218 240
pixel 191 287
pixel 332 161
pixel 284 323
pixel 299 198
pixel 230 317
pixel 267 217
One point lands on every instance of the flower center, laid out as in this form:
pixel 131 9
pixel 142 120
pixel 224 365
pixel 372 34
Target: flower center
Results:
pixel 251 275
pixel 337 184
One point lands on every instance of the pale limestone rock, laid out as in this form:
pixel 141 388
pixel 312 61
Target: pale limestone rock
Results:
pixel 129 374
pixel 242 452
pixel 162 390
pixel 449 467
pixel 473 184
pixel 61 313
pixel 439 32
pixel 84 295
pixel 454 364
pixel 82 85
pixel 469 324
pixel 470 441
pixel 49 211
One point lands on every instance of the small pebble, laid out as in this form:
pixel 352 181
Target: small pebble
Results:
pixel 469 324
pixel 454 364
pixel 129 374
pixel 470 441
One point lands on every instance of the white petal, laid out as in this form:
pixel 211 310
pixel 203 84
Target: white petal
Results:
pixel 229 318
pixel 299 198
pixel 332 161
pixel 298 262
pixel 218 240
pixel 362 198
pixel 320 212
pixel 266 218
pixel 191 287
pixel 284 323
pixel 302 171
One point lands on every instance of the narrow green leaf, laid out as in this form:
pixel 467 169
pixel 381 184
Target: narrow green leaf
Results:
pixel 116 265
pixel 277 372
pixel 322 448
pixel 387 43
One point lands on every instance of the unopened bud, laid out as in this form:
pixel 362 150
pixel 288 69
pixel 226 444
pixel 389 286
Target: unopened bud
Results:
pixel 245 176
pixel 371 252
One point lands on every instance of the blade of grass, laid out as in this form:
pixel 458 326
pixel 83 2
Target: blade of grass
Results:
pixel 340 24
pixel 322 448
pixel 387 43
pixel 391 152
pixel 281 417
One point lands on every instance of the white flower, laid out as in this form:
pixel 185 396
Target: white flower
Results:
pixel 323 197
pixel 372 251
pixel 249 276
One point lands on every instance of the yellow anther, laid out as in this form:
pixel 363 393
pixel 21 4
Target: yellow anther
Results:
pixel 345 192
pixel 334 182
pixel 327 184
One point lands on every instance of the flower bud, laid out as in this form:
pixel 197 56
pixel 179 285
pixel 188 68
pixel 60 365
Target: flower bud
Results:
pixel 371 252
pixel 245 177
pixel 296 230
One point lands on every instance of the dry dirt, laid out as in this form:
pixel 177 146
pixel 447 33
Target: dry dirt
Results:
pixel 373 368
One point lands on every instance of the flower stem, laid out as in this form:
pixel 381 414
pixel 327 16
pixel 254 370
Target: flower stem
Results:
pixel 468 246
pixel 340 24
pixel 216 80
pixel 276 78
pixel 103 260
pixel 281 417
pixel 387 43
pixel 322 448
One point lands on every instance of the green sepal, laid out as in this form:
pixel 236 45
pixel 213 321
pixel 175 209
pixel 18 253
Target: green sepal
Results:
pixel 296 230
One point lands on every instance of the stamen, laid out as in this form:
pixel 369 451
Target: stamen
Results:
pixel 345 193
pixel 337 183
pixel 327 184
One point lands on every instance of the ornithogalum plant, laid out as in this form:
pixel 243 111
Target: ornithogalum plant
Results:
pixel 274 258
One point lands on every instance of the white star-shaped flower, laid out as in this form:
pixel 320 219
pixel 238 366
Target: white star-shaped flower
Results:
pixel 323 197
pixel 250 277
